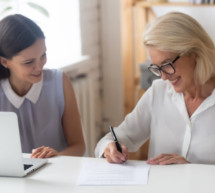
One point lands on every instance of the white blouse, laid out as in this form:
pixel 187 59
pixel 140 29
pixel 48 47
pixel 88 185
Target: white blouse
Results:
pixel 161 115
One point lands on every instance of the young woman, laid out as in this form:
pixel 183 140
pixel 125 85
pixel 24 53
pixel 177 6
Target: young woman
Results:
pixel 43 100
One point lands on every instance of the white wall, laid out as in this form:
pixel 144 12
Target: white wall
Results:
pixel 111 63
pixel 91 46
pixel 100 28
pixel 90 28
pixel 205 15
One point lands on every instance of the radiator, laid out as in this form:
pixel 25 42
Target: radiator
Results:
pixel 86 97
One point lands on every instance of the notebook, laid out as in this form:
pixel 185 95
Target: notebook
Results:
pixel 12 162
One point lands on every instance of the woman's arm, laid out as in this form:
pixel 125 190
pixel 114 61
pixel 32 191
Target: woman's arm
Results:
pixel 71 127
pixel 71 122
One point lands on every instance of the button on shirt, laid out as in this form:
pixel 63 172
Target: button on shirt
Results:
pixel 161 115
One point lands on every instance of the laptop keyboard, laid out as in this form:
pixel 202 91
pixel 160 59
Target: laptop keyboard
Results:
pixel 26 166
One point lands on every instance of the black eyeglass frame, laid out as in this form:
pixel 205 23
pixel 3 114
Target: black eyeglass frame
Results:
pixel 160 68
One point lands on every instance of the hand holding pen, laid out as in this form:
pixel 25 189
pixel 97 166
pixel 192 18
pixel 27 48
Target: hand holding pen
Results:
pixel 115 140
pixel 114 152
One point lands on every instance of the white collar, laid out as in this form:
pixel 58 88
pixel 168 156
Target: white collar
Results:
pixel 32 95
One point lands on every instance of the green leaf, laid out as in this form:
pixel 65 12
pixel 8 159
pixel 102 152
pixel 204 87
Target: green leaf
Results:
pixel 6 9
pixel 39 8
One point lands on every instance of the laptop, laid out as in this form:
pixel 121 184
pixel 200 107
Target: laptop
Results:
pixel 12 162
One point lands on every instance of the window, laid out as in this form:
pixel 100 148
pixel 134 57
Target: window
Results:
pixel 61 28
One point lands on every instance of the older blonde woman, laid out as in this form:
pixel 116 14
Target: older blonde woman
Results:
pixel 177 112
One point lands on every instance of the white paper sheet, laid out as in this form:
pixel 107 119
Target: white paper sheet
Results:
pixel 104 173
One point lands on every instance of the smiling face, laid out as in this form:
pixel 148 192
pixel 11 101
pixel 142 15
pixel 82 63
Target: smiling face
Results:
pixel 183 78
pixel 26 67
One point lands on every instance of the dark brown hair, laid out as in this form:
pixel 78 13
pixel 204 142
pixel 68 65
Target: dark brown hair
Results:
pixel 17 33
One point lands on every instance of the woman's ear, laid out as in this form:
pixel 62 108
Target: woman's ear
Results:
pixel 3 61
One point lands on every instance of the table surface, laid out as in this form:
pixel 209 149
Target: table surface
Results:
pixel 60 174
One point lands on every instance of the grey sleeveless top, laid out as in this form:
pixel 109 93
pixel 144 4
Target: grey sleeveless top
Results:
pixel 40 121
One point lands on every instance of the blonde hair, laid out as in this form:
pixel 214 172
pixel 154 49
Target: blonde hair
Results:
pixel 180 33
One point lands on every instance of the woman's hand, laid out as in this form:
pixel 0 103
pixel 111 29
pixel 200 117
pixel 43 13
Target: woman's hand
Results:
pixel 112 155
pixel 43 152
pixel 165 159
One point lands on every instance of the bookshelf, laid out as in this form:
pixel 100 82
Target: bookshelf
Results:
pixel 135 15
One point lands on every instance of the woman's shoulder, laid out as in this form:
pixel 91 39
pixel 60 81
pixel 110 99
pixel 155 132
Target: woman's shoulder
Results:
pixel 52 71
pixel 160 86
pixel 49 74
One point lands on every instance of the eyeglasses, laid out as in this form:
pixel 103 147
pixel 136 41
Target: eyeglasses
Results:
pixel 167 68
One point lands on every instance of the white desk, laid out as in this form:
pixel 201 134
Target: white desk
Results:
pixel 61 173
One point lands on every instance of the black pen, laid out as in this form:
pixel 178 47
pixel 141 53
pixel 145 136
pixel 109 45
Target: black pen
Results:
pixel 115 140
